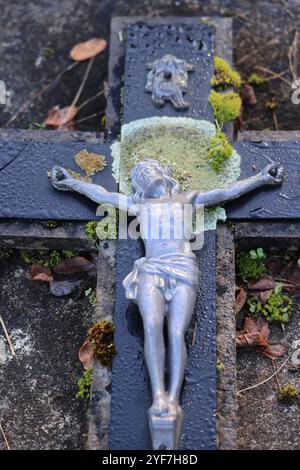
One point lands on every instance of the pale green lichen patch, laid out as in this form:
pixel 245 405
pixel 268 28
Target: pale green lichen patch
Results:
pixel 181 143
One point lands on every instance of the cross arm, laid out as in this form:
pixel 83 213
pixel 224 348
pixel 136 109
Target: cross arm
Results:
pixel 62 180
pixel 271 175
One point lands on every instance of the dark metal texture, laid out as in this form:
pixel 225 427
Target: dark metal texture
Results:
pixel 147 43
pixel 26 192
pixel 131 396
pixel 282 202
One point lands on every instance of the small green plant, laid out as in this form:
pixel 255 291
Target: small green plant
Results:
pixel 278 307
pixel 226 106
pixel 90 229
pixel 46 258
pixel 91 294
pixel 101 338
pixel 224 75
pixel 220 366
pixel 252 264
pixel 5 254
pixel 288 394
pixel 256 79
pixel 84 385
pixel 220 150
pixel 298 262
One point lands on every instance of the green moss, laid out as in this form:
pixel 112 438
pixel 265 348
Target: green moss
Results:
pixel 52 223
pixel 106 228
pixel 90 229
pixel 278 307
pixel 224 75
pixel 220 366
pixel 256 79
pixel 5 254
pixel 220 150
pixel 288 394
pixel 226 106
pixel 101 338
pixel 84 385
pixel 91 294
pixel 46 258
pixel 252 264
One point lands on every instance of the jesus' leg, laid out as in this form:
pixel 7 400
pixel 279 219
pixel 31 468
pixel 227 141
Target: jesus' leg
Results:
pixel 180 312
pixel 152 307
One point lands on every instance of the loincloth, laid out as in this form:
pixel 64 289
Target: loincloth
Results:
pixel 168 270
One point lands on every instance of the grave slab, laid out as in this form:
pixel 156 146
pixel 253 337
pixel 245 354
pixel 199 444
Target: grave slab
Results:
pixel 26 192
pixel 147 43
pixel 272 202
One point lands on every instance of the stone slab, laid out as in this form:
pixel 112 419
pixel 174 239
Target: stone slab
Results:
pixel 26 192
pixel 131 395
pixel 146 43
pixel 223 48
pixel 280 202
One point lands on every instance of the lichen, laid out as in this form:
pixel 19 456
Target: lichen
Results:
pixel 90 162
pixel 288 394
pixel 101 338
pixel 220 150
pixel 91 295
pixel 226 106
pixel 183 144
pixel 80 177
pixel 224 75
pixel 84 385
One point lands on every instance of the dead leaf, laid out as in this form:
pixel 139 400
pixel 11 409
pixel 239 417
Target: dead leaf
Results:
pixel 240 299
pixel 267 283
pixel 256 333
pixel 248 95
pixel 61 118
pixel 263 296
pixel 273 351
pixel 77 264
pixel 40 273
pixel 85 355
pixel 88 49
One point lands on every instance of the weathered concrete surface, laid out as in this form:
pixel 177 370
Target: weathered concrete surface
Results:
pixel 226 349
pixel 37 388
pixel 98 436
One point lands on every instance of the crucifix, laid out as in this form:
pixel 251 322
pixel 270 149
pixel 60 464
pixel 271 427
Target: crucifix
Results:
pixel 164 283
pixel 32 155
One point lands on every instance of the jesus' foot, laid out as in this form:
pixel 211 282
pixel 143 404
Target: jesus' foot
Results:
pixel 159 407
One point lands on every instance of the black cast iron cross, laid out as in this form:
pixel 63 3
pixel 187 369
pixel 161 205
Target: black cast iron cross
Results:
pixel 27 194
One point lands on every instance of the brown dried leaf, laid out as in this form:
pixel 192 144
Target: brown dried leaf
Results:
pixel 88 49
pixel 256 333
pixel 77 264
pixel 248 95
pixel 40 273
pixel 240 299
pixel 61 118
pixel 263 296
pixel 273 351
pixel 267 283
pixel 85 355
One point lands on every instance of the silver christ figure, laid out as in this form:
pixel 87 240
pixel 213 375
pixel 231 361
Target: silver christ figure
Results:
pixel 165 282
